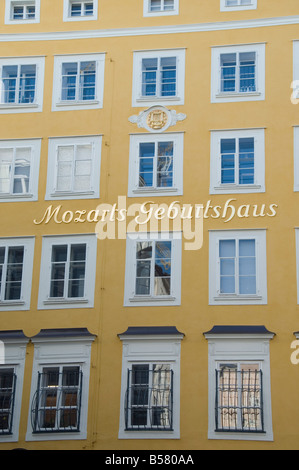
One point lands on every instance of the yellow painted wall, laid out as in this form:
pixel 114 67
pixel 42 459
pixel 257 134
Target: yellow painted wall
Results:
pixel 194 316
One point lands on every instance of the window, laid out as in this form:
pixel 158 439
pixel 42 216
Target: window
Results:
pixel 16 261
pixel 153 269
pixel 156 165
pixel 76 10
pixel 296 158
pixel 234 5
pixel 295 84
pixel 11 384
pixel 150 396
pixel 158 76
pixel 60 385
pixel 239 383
pixel 160 7
pixel 74 167
pixel 78 82
pixel 238 267
pixel 22 85
pixel 68 272
pixel 237 161
pixel 19 168
pixel 22 11
pixel 238 73
pixel 58 399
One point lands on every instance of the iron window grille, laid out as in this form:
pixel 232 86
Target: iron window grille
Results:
pixel 7 398
pixel 56 404
pixel 149 398
pixel 239 399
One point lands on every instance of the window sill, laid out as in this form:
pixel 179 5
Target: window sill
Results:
pixel 77 103
pixel 62 301
pixel 16 196
pixel 145 298
pixel 236 187
pixel 71 194
pixel 142 99
pixel 11 303
pixel 18 105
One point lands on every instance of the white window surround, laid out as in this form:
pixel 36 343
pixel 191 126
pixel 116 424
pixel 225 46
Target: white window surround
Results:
pixel 35 146
pixel 140 101
pixel 96 146
pixel 61 349
pixel 148 349
pixel 249 5
pixel 178 149
pixel 37 105
pixel 66 11
pixel 216 187
pixel 9 4
pixel 217 96
pixel 15 355
pixel 295 85
pixel 130 298
pixel 45 302
pixel 217 298
pixel 147 11
pixel 70 105
pixel 248 348
pixel 24 302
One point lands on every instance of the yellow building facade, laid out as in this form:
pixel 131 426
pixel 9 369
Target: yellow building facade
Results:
pixel 117 334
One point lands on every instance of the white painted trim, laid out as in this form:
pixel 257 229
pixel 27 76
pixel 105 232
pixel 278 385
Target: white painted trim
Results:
pixel 24 302
pixel 15 356
pixel 46 303
pixel 61 351
pixel 153 30
pixel 178 149
pixel 251 6
pixel 94 192
pixel 8 12
pixel 215 298
pixel 259 162
pixel 57 103
pixel 247 348
pixel 130 300
pixel 151 349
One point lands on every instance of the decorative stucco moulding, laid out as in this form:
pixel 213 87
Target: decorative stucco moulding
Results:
pixel 157 118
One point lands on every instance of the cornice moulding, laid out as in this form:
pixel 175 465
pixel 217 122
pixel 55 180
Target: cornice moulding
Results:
pixel 149 31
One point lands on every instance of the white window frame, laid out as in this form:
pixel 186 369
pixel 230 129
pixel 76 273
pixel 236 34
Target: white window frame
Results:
pixel 66 351
pixel 216 187
pixel 71 105
pixel 35 145
pixel 15 356
pixel 94 192
pixel 149 349
pixel 296 158
pixel 245 348
pixel 9 4
pixel 24 302
pixel 295 84
pixel 225 97
pixel 37 106
pixel 45 302
pixel 215 297
pixel 67 11
pixel 147 11
pixel 130 298
pixel 178 148
pixel 251 5
pixel 137 99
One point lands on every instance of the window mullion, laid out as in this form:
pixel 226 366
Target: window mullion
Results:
pixel 238 73
pixel 78 92
pixel 66 273
pixel 237 262
pixel 152 280
pixel 74 168
pixel 237 162
pixel 155 166
pixel 4 271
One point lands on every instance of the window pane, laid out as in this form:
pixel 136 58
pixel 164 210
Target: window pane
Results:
pixel 247 72
pixel 228 72
pixel 155 5
pixel 228 150
pixel 14 273
pixel 247 267
pixel 27 84
pixel 87 81
pixel 6 159
pixel 168 76
pixel 246 161
pixel 76 9
pixel 149 77
pixel 22 171
pixel 163 268
pixel 227 253
pixel 9 81
pixel 168 5
pixel 69 81
pixel 77 271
